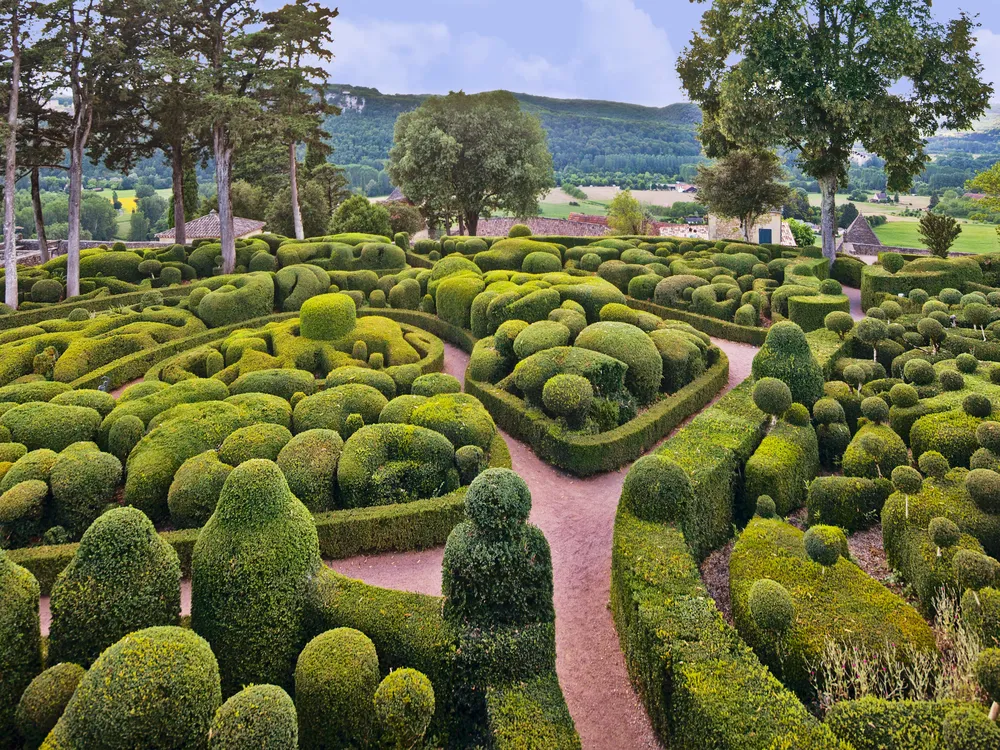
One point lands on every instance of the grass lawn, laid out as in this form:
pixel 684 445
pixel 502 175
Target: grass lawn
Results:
pixel 975 238
pixel 563 210
pixel 886 209
pixel 128 200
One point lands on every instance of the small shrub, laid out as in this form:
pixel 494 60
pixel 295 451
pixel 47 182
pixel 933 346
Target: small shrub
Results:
pixel 771 605
pixel 977 405
pixel 944 532
pixel 933 464
pixel 765 506
pixel 983 486
pixel 259 716
pixel 875 409
pixel 519 230
pixel 568 396
pixel 404 706
pixel 44 701
pixel 825 544
pixel 772 396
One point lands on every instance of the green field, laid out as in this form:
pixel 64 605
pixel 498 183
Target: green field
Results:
pixel 127 199
pixel 563 210
pixel 975 238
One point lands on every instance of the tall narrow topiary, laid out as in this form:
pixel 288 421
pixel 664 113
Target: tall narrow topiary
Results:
pixel 250 570
pixel 20 641
pixel 786 356
pixel 124 577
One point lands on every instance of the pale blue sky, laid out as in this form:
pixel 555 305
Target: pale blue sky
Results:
pixel 621 50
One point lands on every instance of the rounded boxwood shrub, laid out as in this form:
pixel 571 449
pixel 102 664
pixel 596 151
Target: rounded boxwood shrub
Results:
pixel 156 688
pixel 966 727
pixel 944 532
pixel 919 371
pixel 264 440
pixel 539 262
pixel 329 410
pixel 309 463
pixel 259 717
pixel 828 411
pixel 99 400
pixel 21 511
pixel 282 382
pixel 657 490
pixel 377 379
pixel 401 408
pixel 977 405
pixel 874 452
pixel 459 417
pixel 630 345
pixel 839 322
pixel 797 415
pixel 568 396
pixel 435 383
pixel 519 230
pixel 966 363
pixel 825 544
pixel 875 409
pixel 983 486
pixel 497 568
pixel 765 507
pixel 390 463
pixel 933 464
pixel 327 317
pixel 505 335
pixel 20 638
pixel 903 395
pixel 124 577
pixel 34 465
pixel 907 480
pixel 543 334
pixel 746 315
pixel 83 481
pixel 404 706
pixel 46 290
pixel 951 380
pixel 470 460
pixel 771 605
pixel 250 571
pixel 984 458
pixel 988 436
pixel 974 570
pixel 195 490
pixel 336 677
pixel 786 356
pixel 772 396
pixel 40 424
pixel 44 701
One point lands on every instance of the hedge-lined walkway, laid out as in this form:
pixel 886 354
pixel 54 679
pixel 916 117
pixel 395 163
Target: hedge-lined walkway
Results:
pixel 577 516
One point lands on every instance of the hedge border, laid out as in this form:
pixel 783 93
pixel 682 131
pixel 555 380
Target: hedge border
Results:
pixel 342 533
pixel 712 326
pixel 60 310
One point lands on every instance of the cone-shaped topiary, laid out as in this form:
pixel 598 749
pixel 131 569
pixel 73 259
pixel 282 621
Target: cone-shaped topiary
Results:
pixel 825 544
pixel 497 568
pixel 124 577
pixel 20 638
pixel 404 705
pixel 335 681
pixel 258 717
pixel 771 605
pixel 786 356
pixel 44 701
pixel 250 570
pixel 156 689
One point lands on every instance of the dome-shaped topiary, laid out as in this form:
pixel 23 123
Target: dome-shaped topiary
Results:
pixel 974 570
pixel 259 716
pixel 903 395
pixel 124 435
pixel 44 701
pixel 841 323
pixel 951 380
pixel 772 396
pixel 434 384
pixel 498 502
pixel 944 532
pixel 327 317
pixel 828 411
pixel 765 507
pixel 634 347
pixel 568 396
pixel 657 489
pixel 83 481
pixel 250 570
pixel 919 371
pixel 984 458
pixel 797 415
pixel 124 577
pixel 154 688
pixel 966 363
pixel 519 230
pixel 195 490
pixel 907 480
pixel 875 409
pixel 892 262
pixel 263 440
pixel 966 727
pixel 786 356
pixel 460 417
pixel 855 375
pixel 825 544
pixel 20 638
pixel 336 677
pixel 933 464
pixel 830 286
pixel 988 672
pixel 977 405
pixel 771 605
pixel 983 486
pixel 309 462
pixel 471 461
pixel 988 436
pixel 404 706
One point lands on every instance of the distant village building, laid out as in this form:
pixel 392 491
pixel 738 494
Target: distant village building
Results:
pixel 974 196
pixel 880 197
pixel 860 239
pixel 769 229
pixel 209 227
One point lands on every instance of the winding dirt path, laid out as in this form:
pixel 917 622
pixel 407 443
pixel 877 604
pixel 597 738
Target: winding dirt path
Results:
pixel 577 516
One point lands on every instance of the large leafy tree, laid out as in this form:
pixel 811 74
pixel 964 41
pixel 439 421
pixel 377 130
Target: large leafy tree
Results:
pixel 818 77
pixel 987 182
pixel 743 185
pixel 295 97
pixel 13 35
pixel 625 214
pixel 467 156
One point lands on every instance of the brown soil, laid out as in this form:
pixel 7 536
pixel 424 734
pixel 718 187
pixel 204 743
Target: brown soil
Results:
pixel 577 516
pixel 715 576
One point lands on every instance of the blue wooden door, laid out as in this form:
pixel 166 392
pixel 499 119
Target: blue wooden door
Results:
pixel 764 236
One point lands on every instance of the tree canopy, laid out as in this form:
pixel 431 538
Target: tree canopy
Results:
pixel 818 77
pixel 743 185
pixel 468 156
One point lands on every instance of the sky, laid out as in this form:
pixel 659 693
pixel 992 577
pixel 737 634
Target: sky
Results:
pixel 618 50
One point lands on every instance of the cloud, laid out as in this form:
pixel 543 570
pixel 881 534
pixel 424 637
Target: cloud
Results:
pixel 988 46
pixel 387 55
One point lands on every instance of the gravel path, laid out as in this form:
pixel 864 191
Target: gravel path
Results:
pixel 577 516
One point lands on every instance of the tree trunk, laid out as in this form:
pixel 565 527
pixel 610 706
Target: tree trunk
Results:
pixel 472 224
pixel 10 170
pixel 828 206
pixel 177 176
pixel 73 230
pixel 293 178
pixel 36 206
pixel 461 224
pixel 223 181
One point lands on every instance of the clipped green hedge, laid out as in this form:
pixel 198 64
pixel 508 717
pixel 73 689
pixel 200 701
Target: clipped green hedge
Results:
pixel 930 274
pixel 99 304
pixel 342 533
pixel 530 715
pixel 782 466
pixel 810 312
pixel 712 326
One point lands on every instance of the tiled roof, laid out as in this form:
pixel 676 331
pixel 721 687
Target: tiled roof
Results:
pixel 208 226
pixel 540 226
pixel 860 233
